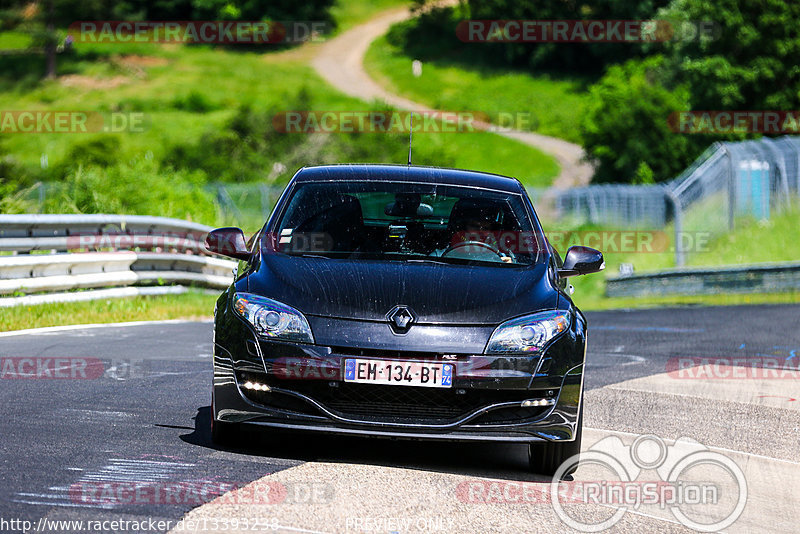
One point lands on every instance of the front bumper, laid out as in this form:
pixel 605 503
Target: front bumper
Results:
pixel 306 391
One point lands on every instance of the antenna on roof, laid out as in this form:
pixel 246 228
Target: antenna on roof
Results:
pixel 410 135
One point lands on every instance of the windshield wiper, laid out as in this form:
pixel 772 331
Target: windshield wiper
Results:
pixel 315 256
pixel 426 260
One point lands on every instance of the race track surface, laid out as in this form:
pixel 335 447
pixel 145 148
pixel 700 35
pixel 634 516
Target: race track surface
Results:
pixel 136 413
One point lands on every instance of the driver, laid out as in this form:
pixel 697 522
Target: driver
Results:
pixel 477 224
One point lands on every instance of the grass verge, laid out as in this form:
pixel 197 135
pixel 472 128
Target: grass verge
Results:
pixel 186 95
pixel 751 242
pixel 593 303
pixel 194 304
pixel 542 104
pixel 349 13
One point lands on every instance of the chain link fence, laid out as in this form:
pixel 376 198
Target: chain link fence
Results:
pixel 730 181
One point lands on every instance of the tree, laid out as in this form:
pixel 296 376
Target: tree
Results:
pixel 42 20
pixel 625 125
pixel 585 57
pixel 748 62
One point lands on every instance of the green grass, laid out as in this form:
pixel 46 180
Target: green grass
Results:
pixel 222 80
pixel 194 305
pixel 750 242
pixel 348 13
pixel 594 303
pixel 773 240
pixel 14 40
pixel 548 106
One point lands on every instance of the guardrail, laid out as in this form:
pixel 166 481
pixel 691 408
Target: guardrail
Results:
pixel 759 278
pixel 103 251
pixel 59 233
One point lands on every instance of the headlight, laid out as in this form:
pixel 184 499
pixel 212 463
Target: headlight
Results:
pixel 527 334
pixel 272 319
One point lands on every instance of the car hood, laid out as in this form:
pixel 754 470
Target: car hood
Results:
pixel 437 293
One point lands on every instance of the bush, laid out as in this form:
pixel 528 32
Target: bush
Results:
pixel 749 61
pixel 432 35
pixel 626 125
pixel 250 149
pixel 139 188
pixel 194 102
pixel 101 151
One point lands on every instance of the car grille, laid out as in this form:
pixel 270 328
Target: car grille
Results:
pixel 370 401
pixel 410 405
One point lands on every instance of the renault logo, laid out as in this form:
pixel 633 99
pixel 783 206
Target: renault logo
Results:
pixel 400 319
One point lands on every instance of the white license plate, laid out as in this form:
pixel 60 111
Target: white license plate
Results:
pixel 424 374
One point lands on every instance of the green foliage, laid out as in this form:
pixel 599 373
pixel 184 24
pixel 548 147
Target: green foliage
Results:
pixel 750 59
pixel 14 199
pixel 195 102
pixel 68 11
pixel 509 97
pixel 280 10
pixel 431 35
pixel 644 174
pixel 626 124
pixel 135 188
pixel 563 57
pixel 250 149
pixel 745 60
pixel 102 151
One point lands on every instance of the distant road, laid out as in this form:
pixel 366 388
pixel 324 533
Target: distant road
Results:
pixel 341 62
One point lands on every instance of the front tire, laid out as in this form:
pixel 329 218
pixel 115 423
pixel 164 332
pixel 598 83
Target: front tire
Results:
pixel 546 457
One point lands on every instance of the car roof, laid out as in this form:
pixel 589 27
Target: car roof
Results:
pixel 406 173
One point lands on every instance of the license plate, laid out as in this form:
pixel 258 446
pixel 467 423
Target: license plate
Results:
pixel 424 374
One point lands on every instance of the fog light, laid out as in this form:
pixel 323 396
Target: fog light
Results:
pixel 531 403
pixel 256 386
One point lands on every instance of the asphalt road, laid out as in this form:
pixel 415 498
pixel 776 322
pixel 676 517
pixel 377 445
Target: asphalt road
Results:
pixel 137 410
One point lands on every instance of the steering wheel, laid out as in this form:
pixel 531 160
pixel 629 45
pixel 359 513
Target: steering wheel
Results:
pixel 463 244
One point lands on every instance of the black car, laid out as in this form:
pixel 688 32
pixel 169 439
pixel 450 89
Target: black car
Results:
pixel 407 302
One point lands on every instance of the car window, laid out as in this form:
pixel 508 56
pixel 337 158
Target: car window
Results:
pixel 406 221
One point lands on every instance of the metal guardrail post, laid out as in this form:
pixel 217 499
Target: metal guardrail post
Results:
pixel 731 188
pixel 680 259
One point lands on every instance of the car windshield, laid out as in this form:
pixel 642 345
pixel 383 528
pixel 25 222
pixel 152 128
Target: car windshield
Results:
pixel 408 221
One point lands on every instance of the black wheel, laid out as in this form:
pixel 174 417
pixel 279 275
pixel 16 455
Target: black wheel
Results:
pixel 222 433
pixel 545 458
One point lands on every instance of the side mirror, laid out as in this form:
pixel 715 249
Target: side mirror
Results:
pixel 228 242
pixel 581 260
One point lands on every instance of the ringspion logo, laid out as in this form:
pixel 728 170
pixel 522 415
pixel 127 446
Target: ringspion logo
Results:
pixel 688 479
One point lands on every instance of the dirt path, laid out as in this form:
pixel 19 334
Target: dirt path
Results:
pixel 341 62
